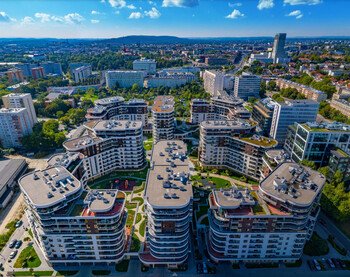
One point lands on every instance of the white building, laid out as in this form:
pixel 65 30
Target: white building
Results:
pixel 213 82
pixel 247 86
pixel 124 78
pixel 14 125
pixel 163 118
pixel 288 112
pixel 168 205
pixel 260 57
pixel 169 80
pixel 272 225
pixel 147 65
pixel 82 73
pixel 21 100
pixel 73 228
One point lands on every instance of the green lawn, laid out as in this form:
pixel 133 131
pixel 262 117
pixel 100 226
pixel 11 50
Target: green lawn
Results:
pixel 135 244
pixel 28 258
pixel 130 206
pixel 140 188
pixel 219 182
pixel 33 273
pixel 143 227
pixel 138 199
pixel 316 246
pixel 148 144
pixel 138 218
pixel 130 219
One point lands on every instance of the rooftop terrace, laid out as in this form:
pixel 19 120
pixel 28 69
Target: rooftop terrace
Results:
pixel 163 104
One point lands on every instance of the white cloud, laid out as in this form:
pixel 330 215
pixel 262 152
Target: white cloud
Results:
pixel 135 15
pixel 265 4
pixel 117 3
pixel 4 17
pixel 27 20
pixel 95 21
pixel 131 7
pixel 44 17
pixel 95 12
pixel 179 3
pixel 235 14
pixel 302 2
pixel 153 13
pixel 71 18
pixel 233 5
pixel 152 3
pixel 117 12
pixel 297 14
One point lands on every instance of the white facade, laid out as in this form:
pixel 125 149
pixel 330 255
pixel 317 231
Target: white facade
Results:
pixel 163 118
pixel 291 111
pixel 81 73
pixel 14 125
pixel 246 86
pixel 124 79
pixel 169 80
pixel 213 82
pixel 21 100
pixel 147 65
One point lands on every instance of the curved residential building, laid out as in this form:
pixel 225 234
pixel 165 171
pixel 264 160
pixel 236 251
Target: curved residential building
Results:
pixel 168 202
pixel 71 226
pixel 269 226
pixel 116 108
pixel 163 118
pixel 231 145
pixel 109 145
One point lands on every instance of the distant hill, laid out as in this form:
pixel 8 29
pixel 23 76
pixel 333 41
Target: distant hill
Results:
pixel 147 40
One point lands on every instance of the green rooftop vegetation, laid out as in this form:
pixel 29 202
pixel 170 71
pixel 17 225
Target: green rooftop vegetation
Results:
pixel 260 141
pixel 341 152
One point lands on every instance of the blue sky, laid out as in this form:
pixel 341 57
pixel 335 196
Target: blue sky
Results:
pixel 184 18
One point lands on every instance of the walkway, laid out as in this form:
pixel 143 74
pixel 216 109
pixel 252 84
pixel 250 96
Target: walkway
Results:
pixel 227 178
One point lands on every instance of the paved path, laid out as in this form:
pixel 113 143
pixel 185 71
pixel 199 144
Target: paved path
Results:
pixel 227 178
pixel 11 211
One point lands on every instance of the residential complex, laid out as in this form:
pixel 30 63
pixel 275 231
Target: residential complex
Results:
pixel 21 100
pixel 168 205
pixel 290 111
pixel 124 78
pixel 313 141
pixel 272 225
pixel 14 125
pixel 80 74
pixel 15 76
pixel 218 108
pixel 163 118
pixel 147 65
pixel 71 226
pixel 109 145
pixel 308 92
pixel 213 82
pixel 117 108
pixel 233 145
pixel 37 72
pixel 247 86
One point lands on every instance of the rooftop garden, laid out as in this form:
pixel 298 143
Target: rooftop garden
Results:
pixel 260 141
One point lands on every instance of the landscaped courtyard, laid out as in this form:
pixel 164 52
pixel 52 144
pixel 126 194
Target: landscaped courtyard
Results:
pixel 209 182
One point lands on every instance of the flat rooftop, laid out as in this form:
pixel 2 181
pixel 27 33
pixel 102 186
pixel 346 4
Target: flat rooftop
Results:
pixel 109 100
pixel 293 183
pixel 224 124
pixel 80 143
pixel 50 186
pixel 163 104
pixel 101 201
pixel 260 141
pixel 233 198
pixel 326 127
pixel 9 168
pixel 115 125
pixel 167 184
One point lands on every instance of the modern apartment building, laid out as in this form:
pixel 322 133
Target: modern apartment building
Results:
pixel 73 66
pixel 272 225
pixel 278 52
pixel 263 113
pixel 74 227
pixel 271 159
pixel 308 92
pixel 314 141
pixel 213 82
pixel 147 65
pixel 82 73
pixel 124 78
pixel 218 108
pixel 109 145
pixel 21 100
pixel 52 68
pixel 117 108
pixel 14 125
pixel 288 112
pixel 233 145
pixel 168 205
pixel 163 118
pixel 247 86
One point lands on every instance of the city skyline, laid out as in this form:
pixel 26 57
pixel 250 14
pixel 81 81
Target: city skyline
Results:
pixel 183 18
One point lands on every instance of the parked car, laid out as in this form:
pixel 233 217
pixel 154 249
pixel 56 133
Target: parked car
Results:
pixel 311 265
pixel 12 243
pixel 331 264
pixel 18 244
pixel 317 265
pixel 13 254
pixel 18 223
pixel 336 263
